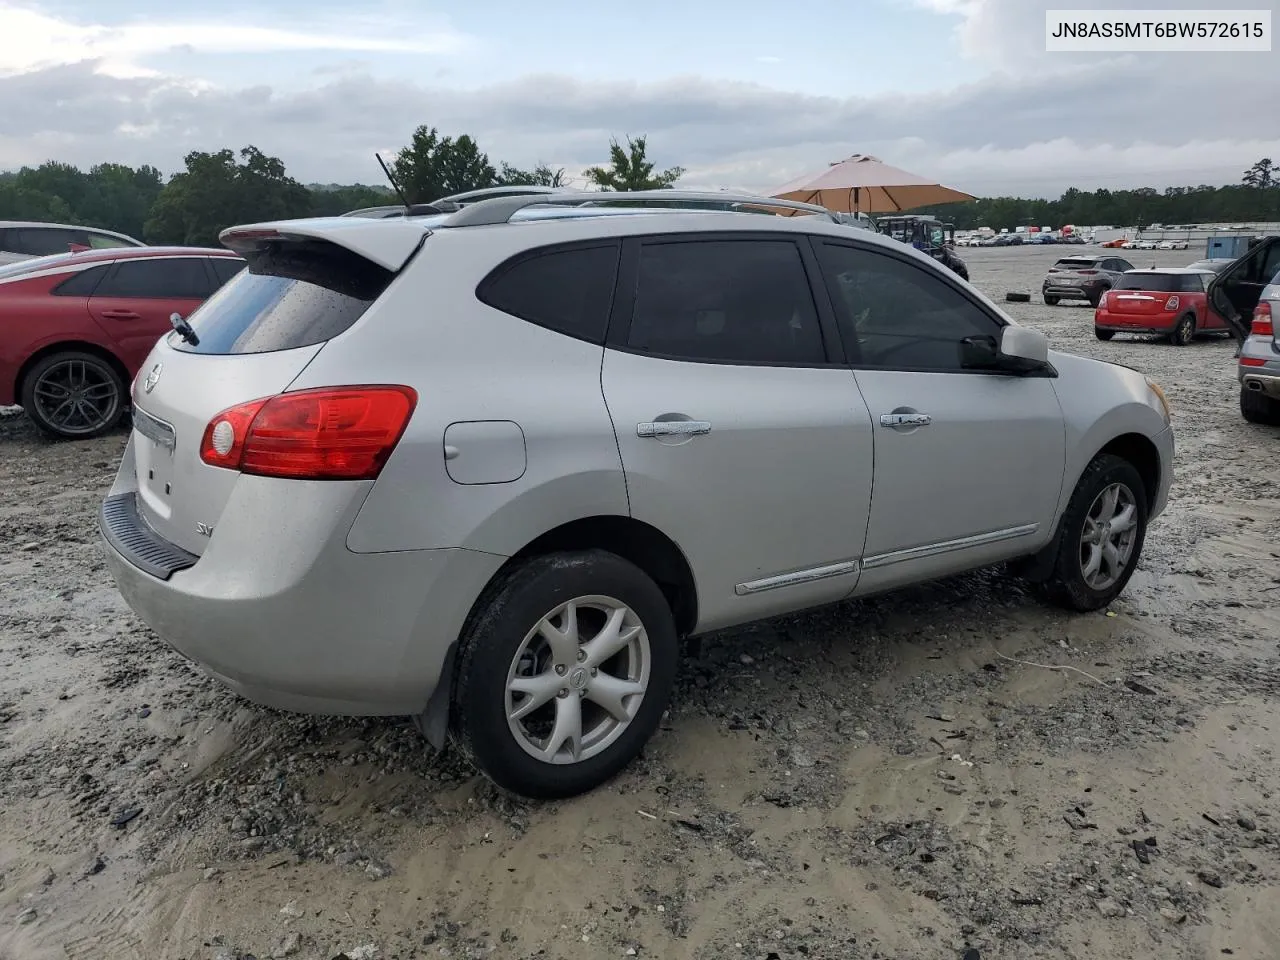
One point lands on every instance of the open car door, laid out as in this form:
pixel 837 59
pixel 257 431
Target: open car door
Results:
pixel 1234 292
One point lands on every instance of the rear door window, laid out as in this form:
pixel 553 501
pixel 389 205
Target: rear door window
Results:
pixel 569 290
pixel 291 294
pixel 159 278
pixel 739 301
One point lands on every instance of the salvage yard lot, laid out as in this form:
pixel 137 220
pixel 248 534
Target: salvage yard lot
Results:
pixel 902 778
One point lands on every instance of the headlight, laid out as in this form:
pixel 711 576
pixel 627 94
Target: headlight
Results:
pixel 1164 401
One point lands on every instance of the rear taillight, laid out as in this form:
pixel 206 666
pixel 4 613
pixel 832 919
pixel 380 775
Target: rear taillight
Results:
pixel 1263 326
pixel 1252 362
pixel 331 433
pixel 1086 273
pixel 1102 300
pixel 1171 303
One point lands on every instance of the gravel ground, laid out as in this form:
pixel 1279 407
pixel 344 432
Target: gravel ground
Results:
pixel 899 778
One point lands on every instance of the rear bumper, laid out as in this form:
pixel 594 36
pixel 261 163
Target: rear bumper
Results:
pixel 1260 380
pixel 1072 291
pixel 1135 323
pixel 284 614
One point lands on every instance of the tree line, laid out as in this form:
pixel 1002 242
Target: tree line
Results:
pixel 220 189
pixel 217 190
pixel 1255 199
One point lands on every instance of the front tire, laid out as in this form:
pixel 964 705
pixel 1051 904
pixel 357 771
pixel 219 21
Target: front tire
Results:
pixel 1050 300
pixel 1101 536
pixel 1184 331
pixel 1257 407
pixel 565 669
pixel 74 395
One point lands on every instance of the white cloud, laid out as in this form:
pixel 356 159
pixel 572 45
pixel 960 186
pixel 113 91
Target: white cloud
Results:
pixel 31 40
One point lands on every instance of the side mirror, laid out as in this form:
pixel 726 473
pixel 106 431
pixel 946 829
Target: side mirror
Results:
pixel 1023 349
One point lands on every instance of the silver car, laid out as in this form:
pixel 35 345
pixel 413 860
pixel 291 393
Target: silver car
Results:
pixel 1247 294
pixel 487 469
pixel 20 239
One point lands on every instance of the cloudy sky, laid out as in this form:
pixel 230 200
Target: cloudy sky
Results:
pixel 747 95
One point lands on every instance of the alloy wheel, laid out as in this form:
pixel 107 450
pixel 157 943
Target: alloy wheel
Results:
pixel 578 679
pixel 77 397
pixel 1110 532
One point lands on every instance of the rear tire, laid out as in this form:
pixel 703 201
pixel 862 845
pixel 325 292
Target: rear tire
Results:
pixel 1101 536
pixel 1257 407
pixel 1103 334
pixel 537 704
pixel 1184 331
pixel 74 395
pixel 1050 300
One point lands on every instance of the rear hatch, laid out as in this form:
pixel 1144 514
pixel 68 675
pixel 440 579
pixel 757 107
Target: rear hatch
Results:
pixel 1072 272
pixel 254 336
pixel 1143 294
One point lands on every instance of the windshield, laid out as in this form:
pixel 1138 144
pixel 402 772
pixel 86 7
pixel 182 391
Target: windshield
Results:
pixel 1156 282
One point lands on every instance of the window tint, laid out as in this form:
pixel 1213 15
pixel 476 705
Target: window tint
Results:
pixel 1121 265
pixel 293 294
pixel 166 278
pixel 897 315
pixel 82 284
pixel 1194 282
pixel 1077 263
pixel 103 241
pixel 1155 282
pixel 735 301
pixel 570 291
pixel 224 268
pixel 41 241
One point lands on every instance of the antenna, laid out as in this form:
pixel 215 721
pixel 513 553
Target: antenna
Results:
pixel 387 170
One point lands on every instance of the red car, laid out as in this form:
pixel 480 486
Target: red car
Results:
pixel 1167 302
pixel 75 327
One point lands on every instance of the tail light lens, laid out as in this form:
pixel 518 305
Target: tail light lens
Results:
pixel 332 433
pixel 1086 273
pixel 1102 300
pixel 1171 303
pixel 1263 325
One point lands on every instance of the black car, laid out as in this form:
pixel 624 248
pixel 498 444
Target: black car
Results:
pixel 1082 278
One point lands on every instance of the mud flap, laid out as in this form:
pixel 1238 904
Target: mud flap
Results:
pixel 1039 567
pixel 433 722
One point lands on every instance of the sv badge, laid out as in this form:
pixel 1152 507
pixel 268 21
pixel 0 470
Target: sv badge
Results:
pixel 204 529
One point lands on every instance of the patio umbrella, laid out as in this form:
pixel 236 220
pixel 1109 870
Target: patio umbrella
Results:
pixel 863 184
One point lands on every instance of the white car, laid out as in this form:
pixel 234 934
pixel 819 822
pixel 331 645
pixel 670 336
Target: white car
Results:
pixel 488 468
pixel 22 239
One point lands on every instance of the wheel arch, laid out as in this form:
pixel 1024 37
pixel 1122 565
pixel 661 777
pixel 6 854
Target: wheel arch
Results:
pixel 70 346
pixel 634 540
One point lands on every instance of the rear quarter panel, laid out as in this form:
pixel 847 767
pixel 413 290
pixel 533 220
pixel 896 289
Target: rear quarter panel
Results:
pixel 468 363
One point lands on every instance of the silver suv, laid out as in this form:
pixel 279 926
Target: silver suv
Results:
pixel 488 468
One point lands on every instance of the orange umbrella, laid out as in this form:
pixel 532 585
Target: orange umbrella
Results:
pixel 864 184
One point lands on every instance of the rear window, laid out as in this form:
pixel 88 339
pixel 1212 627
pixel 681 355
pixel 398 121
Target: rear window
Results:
pixel 1076 263
pixel 1155 282
pixel 289 295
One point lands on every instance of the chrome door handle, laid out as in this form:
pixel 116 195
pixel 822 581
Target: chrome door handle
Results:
pixel 673 428
pixel 905 419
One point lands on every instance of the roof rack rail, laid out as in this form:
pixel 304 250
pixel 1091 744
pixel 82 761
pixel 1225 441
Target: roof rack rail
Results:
pixel 502 209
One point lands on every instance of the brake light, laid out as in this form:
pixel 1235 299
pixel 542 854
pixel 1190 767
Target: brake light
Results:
pixel 1086 273
pixel 1171 303
pixel 1262 321
pixel 1252 362
pixel 1102 300
pixel 331 433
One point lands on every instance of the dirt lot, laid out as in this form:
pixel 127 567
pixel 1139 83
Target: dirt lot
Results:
pixel 902 778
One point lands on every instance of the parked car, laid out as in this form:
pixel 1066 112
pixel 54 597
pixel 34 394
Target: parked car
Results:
pixel 20 239
pixel 1214 264
pixel 75 327
pixel 1168 302
pixel 1082 278
pixel 1247 294
pixel 1117 243
pixel 610 432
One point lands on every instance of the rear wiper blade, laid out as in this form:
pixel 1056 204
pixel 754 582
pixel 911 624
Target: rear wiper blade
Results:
pixel 184 329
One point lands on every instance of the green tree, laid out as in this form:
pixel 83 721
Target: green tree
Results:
pixel 18 202
pixel 630 169
pixel 1261 174
pixel 339 200
pixel 432 166
pixel 216 192
pixel 540 176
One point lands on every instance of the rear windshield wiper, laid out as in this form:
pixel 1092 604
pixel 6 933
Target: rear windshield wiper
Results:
pixel 184 329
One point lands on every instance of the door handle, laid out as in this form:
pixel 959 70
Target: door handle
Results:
pixel 120 315
pixel 673 428
pixel 905 419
